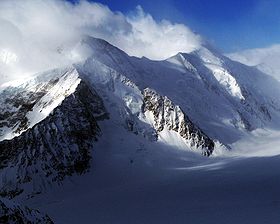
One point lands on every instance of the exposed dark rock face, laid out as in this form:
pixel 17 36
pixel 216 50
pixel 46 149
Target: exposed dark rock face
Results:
pixel 168 115
pixel 58 146
pixel 17 102
pixel 11 213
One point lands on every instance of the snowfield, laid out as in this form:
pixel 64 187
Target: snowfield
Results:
pixel 133 182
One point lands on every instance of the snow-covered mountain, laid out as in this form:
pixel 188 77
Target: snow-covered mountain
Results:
pixel 236 97
pixel 200 102
pixel 49 133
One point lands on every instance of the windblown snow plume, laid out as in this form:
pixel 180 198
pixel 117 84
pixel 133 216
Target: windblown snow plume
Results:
pixel 37 35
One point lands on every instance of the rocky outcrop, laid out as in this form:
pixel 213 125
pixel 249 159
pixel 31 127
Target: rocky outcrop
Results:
pixel 12 213
pixel 170 116
pixel 58 146
pixel 24 105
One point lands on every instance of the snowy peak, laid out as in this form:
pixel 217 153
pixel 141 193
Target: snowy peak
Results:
pixel 221 73
pixel 234 94
pixel 94 47
pixel 24 105
pixel 48 127
pixel 97 44
pixel 58 146
pixel 216 67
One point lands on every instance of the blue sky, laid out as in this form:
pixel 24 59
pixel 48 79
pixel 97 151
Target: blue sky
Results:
pixel 230 25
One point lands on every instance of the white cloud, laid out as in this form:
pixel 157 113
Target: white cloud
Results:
pixel 265 59
pixel 36 31
pixel 158 40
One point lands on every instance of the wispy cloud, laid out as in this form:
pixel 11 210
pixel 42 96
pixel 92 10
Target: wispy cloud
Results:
pixel 265 59
pixel 39 34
